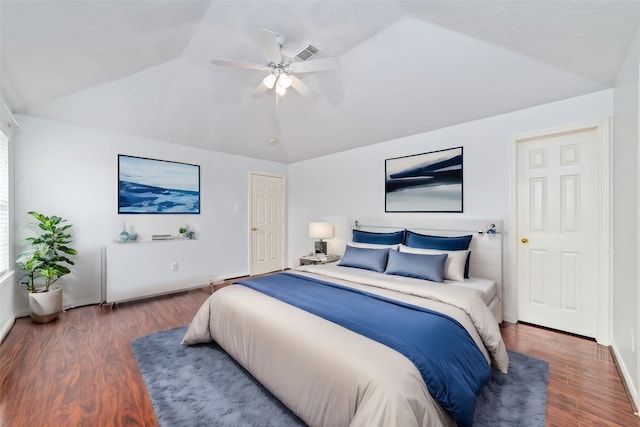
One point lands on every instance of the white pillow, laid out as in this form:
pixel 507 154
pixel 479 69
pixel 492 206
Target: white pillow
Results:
pixel 372 245
pixel 453 266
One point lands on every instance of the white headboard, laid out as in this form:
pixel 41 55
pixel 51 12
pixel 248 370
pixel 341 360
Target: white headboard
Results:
pixel 486 248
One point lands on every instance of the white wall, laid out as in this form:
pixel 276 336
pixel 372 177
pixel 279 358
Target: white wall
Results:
pixel 351 183
pixel 71 171
pixel 334 187
pixel 625 216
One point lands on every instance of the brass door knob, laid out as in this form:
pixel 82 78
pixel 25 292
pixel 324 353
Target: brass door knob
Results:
pixel 254 229
pixel 524 240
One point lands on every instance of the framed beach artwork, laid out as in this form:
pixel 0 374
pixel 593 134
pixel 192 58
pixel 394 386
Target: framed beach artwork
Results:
pixel 428 182
pixel 149 186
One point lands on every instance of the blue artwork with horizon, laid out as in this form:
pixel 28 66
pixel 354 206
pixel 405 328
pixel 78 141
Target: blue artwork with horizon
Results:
pixel 148 186
pixel 429 182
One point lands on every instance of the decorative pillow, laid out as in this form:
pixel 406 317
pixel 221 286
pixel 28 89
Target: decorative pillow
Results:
pixel 453 267
pixel 459 243
pixel 365 258
pixel 373 246
pixel 420 266
pixel 393 238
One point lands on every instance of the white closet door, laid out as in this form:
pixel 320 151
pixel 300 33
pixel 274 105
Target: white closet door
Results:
pixel 558 205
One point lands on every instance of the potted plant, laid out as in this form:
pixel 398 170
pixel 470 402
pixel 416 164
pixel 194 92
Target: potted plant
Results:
pixel 43 261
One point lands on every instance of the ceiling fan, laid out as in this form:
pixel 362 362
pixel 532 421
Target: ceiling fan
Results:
pixel 282 69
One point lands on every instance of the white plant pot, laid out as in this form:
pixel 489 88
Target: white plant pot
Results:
pixel 45 306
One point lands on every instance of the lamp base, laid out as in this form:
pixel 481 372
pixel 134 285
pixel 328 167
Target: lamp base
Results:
pixel 321 247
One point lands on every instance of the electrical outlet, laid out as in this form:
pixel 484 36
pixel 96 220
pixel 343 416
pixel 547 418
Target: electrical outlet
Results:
pixel 174 266
pixel 633 341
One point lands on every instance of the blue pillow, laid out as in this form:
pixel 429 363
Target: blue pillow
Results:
pixel 393 238
pixel 459 243
pixel 367 259
pixel 424 241
pixel 420 266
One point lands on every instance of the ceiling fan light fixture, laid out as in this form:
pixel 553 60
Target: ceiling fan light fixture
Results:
pixel 284 81
pixel 281 90
pixel 269 81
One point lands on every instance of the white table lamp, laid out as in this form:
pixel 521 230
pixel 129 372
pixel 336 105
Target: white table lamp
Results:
pixel 320 230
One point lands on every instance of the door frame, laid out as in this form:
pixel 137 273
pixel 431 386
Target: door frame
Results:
pixel 250 218
pixel 603 232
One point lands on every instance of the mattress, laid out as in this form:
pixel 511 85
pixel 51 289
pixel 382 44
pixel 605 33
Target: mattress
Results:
pixel 486 288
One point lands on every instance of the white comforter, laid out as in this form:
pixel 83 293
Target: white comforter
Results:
pixel 329 375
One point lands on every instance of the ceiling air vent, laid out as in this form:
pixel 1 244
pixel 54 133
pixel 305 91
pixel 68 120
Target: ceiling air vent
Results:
pixel 306 52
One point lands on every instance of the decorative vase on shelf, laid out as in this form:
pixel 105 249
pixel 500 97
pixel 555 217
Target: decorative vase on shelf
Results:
pixel 187 233
pixel 124 236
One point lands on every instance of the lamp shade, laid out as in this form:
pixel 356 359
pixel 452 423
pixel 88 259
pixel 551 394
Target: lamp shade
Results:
pixel 320 230
pixel 284 81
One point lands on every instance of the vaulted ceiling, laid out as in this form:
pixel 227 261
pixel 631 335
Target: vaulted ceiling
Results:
pixel 143 68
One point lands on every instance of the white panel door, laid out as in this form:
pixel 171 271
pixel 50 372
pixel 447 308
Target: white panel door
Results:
pixel 557 212
pixel 267 223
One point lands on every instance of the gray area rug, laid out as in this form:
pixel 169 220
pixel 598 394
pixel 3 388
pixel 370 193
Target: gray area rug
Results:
pixel 203 386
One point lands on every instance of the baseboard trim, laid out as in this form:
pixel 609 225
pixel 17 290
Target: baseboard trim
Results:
pixel 626 378
pixel 6 328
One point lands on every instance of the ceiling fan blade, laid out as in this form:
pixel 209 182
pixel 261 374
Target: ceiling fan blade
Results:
pixel 322 64
pixel 260 90
pixel 266 84
pixel 238 64
pixel 302 87
pixel 269 41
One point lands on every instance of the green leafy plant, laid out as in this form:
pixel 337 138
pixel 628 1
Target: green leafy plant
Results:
pixel 46 255
pixel 187 233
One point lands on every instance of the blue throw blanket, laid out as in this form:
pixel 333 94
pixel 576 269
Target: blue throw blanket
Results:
pixel 453 367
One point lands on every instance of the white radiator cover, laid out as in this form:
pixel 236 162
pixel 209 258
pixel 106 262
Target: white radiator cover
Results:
pixel 148 268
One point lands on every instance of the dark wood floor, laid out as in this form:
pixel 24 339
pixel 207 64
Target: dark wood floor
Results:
pixel 80 371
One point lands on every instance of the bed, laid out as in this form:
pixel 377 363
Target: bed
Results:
pixel 330 374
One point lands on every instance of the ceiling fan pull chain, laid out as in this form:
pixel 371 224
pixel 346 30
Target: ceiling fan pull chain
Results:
pixel 277 115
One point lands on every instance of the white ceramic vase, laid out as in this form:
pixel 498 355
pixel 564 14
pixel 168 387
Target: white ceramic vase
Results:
pixel 45 306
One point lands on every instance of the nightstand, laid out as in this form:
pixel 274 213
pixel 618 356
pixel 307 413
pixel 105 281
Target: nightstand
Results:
pixel 315 259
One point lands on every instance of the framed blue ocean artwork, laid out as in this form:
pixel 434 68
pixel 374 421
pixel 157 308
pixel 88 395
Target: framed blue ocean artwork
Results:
pixel 150 186
pixel 427 182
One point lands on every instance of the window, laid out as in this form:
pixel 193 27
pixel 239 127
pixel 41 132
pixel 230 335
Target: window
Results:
pixel 4 203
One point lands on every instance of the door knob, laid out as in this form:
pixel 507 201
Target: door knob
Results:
pixel 524 240
pixel 254 229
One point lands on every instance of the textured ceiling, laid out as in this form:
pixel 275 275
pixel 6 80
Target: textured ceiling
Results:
pixel 144 68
